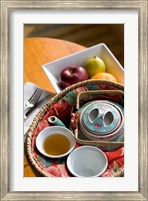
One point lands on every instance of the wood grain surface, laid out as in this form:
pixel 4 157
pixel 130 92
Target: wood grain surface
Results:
pixel 84 34
pixel 38 51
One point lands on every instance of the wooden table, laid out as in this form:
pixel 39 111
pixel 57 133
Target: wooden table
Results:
pixel 38 51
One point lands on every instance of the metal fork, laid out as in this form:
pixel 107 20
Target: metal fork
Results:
pixel 33 99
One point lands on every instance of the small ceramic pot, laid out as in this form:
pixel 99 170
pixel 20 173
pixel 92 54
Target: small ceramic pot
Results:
pixel 101 120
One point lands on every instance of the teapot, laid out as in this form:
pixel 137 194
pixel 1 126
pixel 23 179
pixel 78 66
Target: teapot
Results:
pixel 100 121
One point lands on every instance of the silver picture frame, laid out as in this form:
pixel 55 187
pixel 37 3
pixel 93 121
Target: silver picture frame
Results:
pixel 142 7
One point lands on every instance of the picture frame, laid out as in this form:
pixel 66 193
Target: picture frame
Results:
pixel 6 8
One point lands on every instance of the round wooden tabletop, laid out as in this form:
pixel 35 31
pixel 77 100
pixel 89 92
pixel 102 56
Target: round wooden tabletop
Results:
pixel 38 51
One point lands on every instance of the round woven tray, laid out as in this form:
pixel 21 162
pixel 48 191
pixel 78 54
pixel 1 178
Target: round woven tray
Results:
pixel 45 108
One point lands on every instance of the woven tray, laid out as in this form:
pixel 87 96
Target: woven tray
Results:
pixel 45 165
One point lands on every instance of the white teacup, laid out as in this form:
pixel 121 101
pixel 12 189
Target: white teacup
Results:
pixel 87 161
pixel 55 142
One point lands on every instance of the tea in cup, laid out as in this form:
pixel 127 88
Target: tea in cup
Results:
pixel 55 142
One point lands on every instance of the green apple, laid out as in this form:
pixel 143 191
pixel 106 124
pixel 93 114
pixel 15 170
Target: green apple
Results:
pixel 94 65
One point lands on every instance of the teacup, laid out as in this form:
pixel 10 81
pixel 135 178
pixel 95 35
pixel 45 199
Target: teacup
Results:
pixel 55 142
pixel 87 161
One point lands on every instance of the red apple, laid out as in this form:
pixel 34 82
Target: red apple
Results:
pixel 72 75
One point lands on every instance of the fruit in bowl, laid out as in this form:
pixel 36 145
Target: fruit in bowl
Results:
pixel 94 65
pixel 72 75
pixel 104 76
pixel 54 68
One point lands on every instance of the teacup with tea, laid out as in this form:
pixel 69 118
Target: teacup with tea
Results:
pixel 55 142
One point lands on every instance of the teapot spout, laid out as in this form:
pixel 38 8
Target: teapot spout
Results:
pixel 55 121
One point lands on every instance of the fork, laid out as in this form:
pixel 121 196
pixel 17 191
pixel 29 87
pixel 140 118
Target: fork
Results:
pixel 33 99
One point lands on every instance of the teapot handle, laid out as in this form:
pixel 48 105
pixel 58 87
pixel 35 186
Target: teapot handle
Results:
pixel 74 120
pixel 99 92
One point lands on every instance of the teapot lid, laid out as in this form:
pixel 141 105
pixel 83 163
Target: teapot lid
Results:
pixel 100 118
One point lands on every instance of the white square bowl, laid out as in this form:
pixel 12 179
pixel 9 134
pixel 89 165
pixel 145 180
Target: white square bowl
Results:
pixel 53 69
